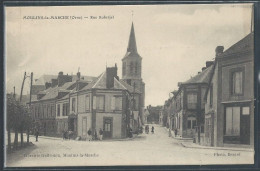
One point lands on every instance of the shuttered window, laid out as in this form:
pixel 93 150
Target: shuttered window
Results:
pixel 87 103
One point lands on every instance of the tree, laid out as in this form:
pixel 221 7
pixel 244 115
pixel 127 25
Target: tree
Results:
pixel 11 115
pixel 18 119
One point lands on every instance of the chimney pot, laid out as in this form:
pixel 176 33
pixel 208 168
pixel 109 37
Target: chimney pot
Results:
pixel 219 50
pixel 209 63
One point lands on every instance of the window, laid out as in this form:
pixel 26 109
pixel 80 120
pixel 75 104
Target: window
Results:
pixel 116 103
pixel 202 128
pixel 73 104
pixel 124 68
pixel 48 111
pixel 100 102
pixel 87 103
pixel 67 108
pixel 237 81
pixel 84 126
pixel 52 107
pixel 194 123
pixel 192 100
pixel 136 67
pixel 245 111
pixel 232 121
pixel 211 96
pixel 64 109
pixel 58 110
pixel 131 67
pixel 191 123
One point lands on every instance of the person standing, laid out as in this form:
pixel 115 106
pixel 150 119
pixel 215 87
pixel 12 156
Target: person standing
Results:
pixel 36 135
pixel 89 134
pixel 95 134
pixel 100 134
pixel 152 129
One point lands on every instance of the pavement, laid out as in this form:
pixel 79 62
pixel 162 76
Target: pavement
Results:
pixel 144 149
pixel 188 143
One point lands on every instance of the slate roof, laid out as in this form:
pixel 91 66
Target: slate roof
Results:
pixel 247 43
pixel 100 83
pixel 132 47
pixel 44 78
pixel 129 87
pixel 52 92
pixel 203 77
pixel 47 78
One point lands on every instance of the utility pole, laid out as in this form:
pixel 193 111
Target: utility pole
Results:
pixel 14 92
pixel 21 94
pixel 31 88
pixel 28 129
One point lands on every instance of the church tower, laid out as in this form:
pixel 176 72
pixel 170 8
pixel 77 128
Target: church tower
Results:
pixel 132 66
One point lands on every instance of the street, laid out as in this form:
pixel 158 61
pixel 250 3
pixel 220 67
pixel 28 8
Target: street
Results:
pixel 146 149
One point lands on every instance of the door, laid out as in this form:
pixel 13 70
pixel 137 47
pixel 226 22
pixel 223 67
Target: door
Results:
pixel 84 127
pixel 107 126
pixel 245 126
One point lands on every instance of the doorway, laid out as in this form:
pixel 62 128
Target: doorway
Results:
pixel 108 127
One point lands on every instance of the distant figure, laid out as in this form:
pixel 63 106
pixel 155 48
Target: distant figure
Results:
pixel 130 133
pixel 36 135
pixel 100 134
pixel 152 129
pixel 89 134
pixel 95 134
pixel 70 134
pixel 147 129
pixel 64 134
pixel 175 132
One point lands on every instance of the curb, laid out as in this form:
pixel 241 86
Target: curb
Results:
pixel 231 149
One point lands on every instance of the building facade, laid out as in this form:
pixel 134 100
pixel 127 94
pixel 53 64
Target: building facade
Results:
pixel 189 105
pixel 230 98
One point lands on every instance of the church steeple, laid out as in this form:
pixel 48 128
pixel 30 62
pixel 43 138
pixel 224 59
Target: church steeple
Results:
pixel 132 43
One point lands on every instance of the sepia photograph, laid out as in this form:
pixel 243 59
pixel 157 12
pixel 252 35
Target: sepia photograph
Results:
pixel 129 85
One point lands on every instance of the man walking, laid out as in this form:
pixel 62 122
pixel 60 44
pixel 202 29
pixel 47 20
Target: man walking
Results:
pixel 152 129
pixel 89 134
pixel 36 135
pixel 100 134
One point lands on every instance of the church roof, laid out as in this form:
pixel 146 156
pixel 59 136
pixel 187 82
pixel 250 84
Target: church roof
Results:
pixel 132 47
pixel 132 42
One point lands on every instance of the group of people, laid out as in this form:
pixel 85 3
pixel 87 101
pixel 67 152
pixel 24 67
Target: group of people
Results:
pixel 67 134
pixel 95 135
pixel 147 129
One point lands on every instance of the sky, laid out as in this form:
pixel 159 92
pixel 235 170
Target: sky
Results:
pixel 174 41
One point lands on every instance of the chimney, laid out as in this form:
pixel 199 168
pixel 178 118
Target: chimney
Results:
pixel 62 79
pixel 54 82
pixel 209 63
pixel 78 75
pixel 40 95
pixel 47 85
pixel 179 84
pixel 111 74
pixel 219 50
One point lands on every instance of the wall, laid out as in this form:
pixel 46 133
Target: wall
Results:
pixel 80 126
